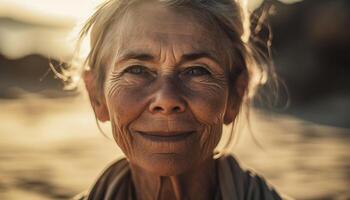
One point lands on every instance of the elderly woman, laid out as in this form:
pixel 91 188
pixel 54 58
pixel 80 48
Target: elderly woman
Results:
pixel 168 74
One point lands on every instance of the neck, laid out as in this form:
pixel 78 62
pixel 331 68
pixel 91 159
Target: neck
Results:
pixel 197 183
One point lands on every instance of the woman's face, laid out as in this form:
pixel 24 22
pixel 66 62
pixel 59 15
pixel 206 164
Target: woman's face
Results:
pixel 167 91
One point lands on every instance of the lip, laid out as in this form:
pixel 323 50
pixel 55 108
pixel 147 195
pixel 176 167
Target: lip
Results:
pixel 166 136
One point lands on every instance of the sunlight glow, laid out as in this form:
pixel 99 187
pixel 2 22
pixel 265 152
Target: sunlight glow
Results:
pixel 45 26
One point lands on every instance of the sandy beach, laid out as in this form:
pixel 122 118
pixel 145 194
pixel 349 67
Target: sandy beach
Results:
pixel 52 149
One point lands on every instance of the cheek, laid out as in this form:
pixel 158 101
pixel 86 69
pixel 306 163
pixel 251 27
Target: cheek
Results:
pixel 125 104
pixel 208 103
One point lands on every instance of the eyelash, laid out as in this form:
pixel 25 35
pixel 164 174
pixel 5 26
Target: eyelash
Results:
pixel 201 71
pixel 190 71
pixel 132 70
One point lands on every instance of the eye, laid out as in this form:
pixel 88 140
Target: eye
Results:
pixel 136 70
pixel 196 71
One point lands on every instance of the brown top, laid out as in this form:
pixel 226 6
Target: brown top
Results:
pixel 115 183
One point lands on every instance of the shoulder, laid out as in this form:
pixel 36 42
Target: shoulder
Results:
pixel 237 183
pixel 112 176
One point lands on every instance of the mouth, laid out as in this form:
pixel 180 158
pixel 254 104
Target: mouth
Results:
pixel 166 136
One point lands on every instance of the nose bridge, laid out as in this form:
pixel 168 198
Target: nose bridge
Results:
pixel 167 97
pixel 167 82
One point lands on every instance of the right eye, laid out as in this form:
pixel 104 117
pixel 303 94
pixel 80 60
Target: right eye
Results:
pixel 197 71
pixel 136 70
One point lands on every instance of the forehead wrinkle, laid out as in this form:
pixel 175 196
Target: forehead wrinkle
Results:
pixel 151 36
pixel 161 48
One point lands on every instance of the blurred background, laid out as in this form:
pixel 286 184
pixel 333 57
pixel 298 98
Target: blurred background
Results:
pixel 51 147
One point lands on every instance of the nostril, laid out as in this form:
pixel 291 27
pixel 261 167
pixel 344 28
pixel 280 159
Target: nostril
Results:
pixel 176 109
pixel 157 109
pixel 160 109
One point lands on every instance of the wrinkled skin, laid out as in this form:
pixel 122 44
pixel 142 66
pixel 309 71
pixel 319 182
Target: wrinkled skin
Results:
pixel 166 94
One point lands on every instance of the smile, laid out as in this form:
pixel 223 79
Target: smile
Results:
pixel 166 136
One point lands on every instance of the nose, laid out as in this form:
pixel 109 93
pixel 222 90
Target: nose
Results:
pixel 167 100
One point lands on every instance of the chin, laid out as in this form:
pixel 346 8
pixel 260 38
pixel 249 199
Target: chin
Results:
pixel 168 164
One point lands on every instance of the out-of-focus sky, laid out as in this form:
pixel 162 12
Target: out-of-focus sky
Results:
pixel 44 26
pixel 60 12
pixel 46 12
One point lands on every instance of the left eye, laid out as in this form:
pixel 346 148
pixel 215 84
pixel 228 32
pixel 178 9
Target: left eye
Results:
pixel 136 70
pixel 197 71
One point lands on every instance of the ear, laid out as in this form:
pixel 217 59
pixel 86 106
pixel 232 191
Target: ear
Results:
pixel 98 103
pixel 236 95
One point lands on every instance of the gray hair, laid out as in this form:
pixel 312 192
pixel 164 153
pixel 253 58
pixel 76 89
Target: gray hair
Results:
pixel 228 15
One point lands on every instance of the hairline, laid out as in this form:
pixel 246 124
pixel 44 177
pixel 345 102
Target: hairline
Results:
pixel 204 19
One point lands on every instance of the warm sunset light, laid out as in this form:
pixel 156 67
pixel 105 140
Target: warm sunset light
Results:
pixel 287 119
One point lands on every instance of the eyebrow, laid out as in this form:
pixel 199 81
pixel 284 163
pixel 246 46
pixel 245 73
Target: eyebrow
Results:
pixel 136 55
pixel 144 56
pixel 198 55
